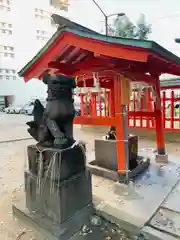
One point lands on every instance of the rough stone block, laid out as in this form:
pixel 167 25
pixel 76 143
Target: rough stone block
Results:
pixel 162 159
pixel 49 229
pixel 67 197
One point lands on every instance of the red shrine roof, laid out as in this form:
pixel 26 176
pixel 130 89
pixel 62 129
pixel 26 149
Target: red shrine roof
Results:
pixel 74 50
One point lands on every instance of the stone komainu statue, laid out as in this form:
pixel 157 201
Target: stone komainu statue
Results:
pixel 53 125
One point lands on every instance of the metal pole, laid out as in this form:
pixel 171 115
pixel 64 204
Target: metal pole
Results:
pixel 107 16
pixel 106 25
pixel 99 7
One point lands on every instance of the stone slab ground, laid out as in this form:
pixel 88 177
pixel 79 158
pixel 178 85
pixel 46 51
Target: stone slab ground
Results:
pixel 150 205
pixel 96 228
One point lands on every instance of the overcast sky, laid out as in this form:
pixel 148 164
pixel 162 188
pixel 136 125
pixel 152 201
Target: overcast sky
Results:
pixel 164 15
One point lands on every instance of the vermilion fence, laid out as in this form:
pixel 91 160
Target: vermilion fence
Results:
pixel 170 104
pixel 99 104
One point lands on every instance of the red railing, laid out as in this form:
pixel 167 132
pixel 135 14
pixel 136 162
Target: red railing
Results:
pixel 170 104
pixel 99 105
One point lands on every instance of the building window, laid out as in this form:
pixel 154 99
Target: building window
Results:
pixel 5 28
pixel 40 14
pixel 7 74
pixel 42 38
pixel 42 35
pixel 7 51
pixel 41 32
pixel 5 5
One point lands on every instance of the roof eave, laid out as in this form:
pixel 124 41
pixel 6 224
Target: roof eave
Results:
pixel 42 50
pixel 147 45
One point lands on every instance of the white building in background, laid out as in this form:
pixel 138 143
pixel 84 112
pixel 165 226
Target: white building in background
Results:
pixel 25 26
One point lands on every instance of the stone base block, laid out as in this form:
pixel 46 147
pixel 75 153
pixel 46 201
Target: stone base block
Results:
pixel 63 201
pixel 114 175
pixel 162 159
pixel 50 229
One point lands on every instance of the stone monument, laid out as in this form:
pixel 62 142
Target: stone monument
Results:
pixel 57 184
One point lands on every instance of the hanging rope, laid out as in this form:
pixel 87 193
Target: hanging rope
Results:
pixel 40 170
pixel 54 168
pixel 77 88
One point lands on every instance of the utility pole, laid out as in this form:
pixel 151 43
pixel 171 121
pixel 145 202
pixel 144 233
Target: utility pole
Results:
pixel 64 5
pixel 107 16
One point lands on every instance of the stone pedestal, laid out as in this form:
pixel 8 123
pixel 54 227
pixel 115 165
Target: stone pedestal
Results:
pixel 69 197
pixel 105 163
pixel 106 153
pixel 162 159
pixel 63 199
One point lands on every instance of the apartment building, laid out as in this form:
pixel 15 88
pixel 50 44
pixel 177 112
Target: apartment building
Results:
pixel 25 26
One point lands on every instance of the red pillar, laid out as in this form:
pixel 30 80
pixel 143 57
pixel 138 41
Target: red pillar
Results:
pixel 159 118
pixel 112 105
pixel 94 112
pixel 121 133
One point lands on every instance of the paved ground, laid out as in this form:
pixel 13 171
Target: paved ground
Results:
pixel 152 201
pixel 13 162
